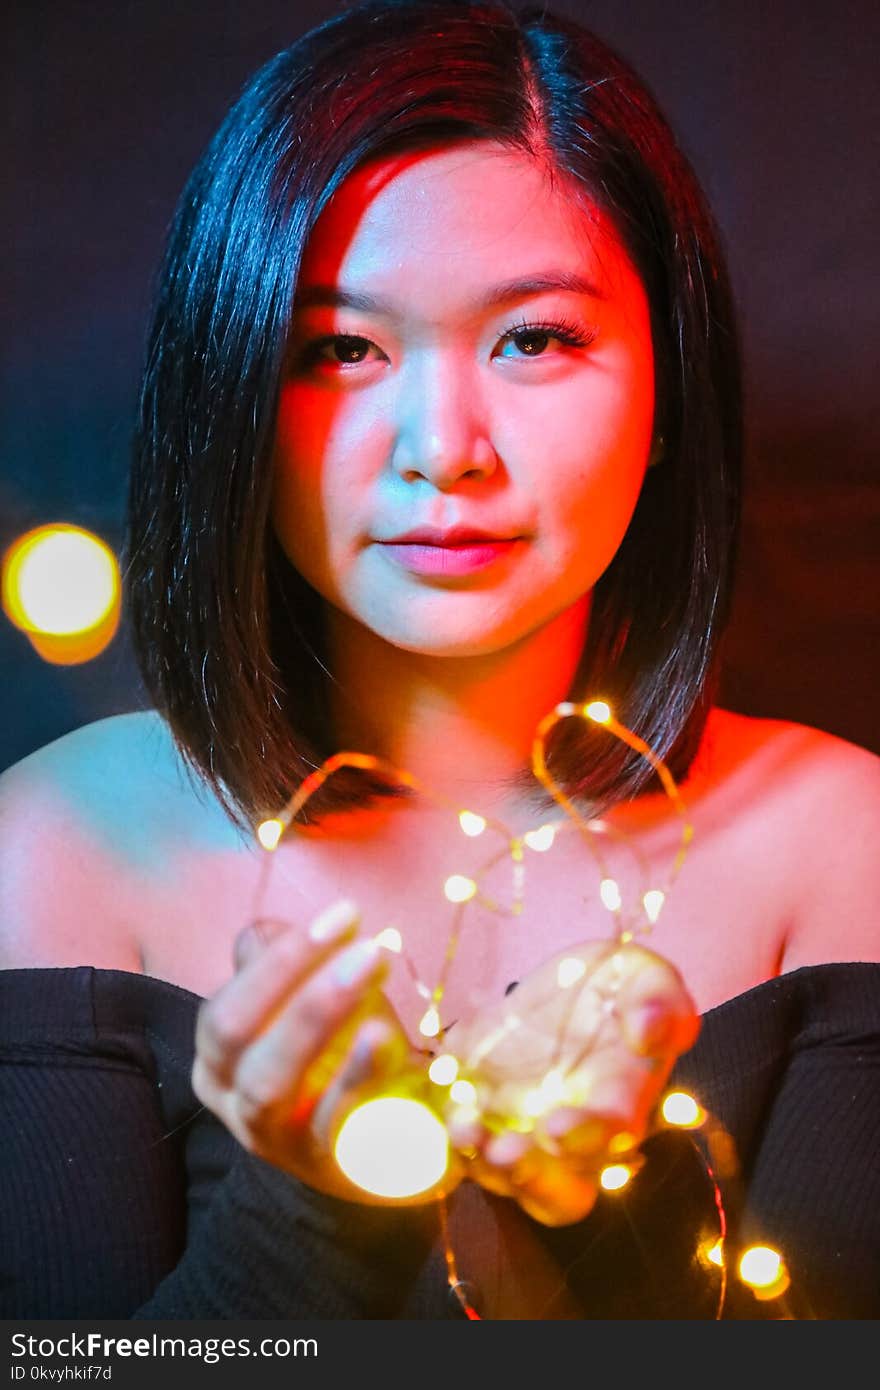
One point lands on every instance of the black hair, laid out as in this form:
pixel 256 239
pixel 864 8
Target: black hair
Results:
pixel 229 636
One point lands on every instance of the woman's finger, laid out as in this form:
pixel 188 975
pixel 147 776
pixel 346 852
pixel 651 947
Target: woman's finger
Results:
pixel 253 939
pixel 274 1069
pixel 581 1136
pixel 550 1191
pixel 379 1050
pixel 506 1149
pixel 656 1012
pixel 230 1020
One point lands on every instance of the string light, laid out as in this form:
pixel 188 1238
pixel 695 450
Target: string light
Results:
pixel 544 1097
pixel 429 1023
pixel 712 1252
pixel 621 1143
pixel 459 889
pixel 471 824
pixel 681 1110
pixel 652 901
pixel 609 892
pixel 393 1146
pixel 444 1069
pixel 598 711
pixel 397 1145
pixel 764 1271
pixel 569 971
pixel 389 939
pixel 463 1092
pixel 615 1176
pixel 540 839
pixel 269 833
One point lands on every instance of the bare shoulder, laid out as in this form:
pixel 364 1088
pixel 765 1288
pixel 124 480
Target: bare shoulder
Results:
pixel 813 802
pixel 85 823
pixel 761 745
pixel 793 763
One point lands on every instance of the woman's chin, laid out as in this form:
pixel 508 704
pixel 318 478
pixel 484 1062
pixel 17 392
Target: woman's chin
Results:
pixel 457 627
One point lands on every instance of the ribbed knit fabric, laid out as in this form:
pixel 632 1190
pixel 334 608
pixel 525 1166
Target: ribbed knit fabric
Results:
pixel 121 1198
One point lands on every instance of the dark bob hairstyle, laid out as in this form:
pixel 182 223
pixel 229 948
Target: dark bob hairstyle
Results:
pixel 229 637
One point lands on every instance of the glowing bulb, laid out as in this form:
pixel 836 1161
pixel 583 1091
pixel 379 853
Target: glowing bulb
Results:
pixel 459 889
pixel 569 971
pixel 714 1252
pixel 269 832
pixel 540 839
pixel 622 1142
pixel 443 1070
pixel 652 902
pixel 471 823
pixel 544 1097
pixel 389 939
pixel 393 1147
pixel 615 1176
pixel 61 587
pixel 533 1103
pixel 429 1026
pixel 680 1109
pixel 610 894
pixel 553 1086
pixel 763 1269
pixel 598 711
pixel 463 1093
pixel 59 580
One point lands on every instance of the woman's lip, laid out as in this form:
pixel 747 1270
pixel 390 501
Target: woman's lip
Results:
pixel 461 558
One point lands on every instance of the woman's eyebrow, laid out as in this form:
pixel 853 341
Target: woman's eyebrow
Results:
pixel 568 280
pixel 336 297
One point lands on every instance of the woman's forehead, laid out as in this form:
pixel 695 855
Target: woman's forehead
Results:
pixel 454 220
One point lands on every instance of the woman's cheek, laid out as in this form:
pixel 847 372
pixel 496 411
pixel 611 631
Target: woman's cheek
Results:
pixel 300 426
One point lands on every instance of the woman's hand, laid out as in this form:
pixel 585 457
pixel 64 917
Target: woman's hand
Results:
pixel 610 1037
pixel 294 1039
pixel 302 1033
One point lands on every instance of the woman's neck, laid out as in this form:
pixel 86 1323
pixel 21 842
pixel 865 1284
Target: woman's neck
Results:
pixel 463 726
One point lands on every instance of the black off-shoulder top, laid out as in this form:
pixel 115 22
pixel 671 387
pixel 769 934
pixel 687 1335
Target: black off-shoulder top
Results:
pixel 120 1197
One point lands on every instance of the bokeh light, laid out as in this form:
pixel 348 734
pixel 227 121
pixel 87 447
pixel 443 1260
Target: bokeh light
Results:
pixel 269 833
pixel 540 839
pixel 615 1176
pixel 459 888
pixel 61 588
pixel 393 1146
pixel 444 1069
pixel 764 1271
pixel 598 711
pixel 680 1109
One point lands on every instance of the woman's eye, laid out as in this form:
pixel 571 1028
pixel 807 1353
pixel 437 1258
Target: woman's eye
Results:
pixel 534 340
pixel 531 342
pixel 340 350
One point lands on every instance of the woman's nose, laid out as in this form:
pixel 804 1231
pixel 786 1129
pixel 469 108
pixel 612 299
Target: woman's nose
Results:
pixel 442 434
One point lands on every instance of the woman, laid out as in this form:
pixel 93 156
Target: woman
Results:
pixel 440 427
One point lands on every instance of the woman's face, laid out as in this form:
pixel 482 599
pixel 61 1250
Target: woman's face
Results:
pixel 466 417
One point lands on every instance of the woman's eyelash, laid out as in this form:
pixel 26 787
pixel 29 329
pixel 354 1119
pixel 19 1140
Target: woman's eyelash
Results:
pixel 566 330
pixel 314 352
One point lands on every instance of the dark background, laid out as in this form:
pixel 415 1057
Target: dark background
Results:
pixel 106 106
